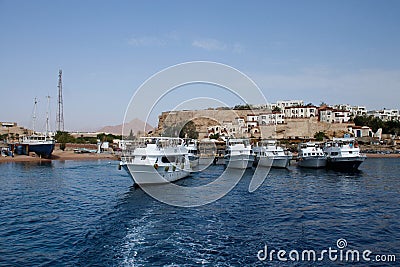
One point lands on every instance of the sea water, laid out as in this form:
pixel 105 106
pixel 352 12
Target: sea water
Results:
pixel 71 213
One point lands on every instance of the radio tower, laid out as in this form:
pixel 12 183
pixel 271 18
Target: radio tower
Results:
pixel 60 110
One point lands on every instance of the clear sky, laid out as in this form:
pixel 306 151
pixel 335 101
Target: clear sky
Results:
pixel 341 51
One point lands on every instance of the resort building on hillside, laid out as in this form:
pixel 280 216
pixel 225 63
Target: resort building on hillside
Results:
pixel 229 129
pixel 241 121
pixel 301 112
pixel 331 115
pixel 386 114
pixel 358 111
pixel 252 124
pixel 252 118
pixel 289 103
pixel 8 124
pixel 271 118
pixel 354 110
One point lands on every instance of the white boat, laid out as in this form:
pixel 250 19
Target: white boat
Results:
pixel 311 155
pixel 156 160
pixel 193 154
pixel 343 154
pixel 270 154
pixel 238 154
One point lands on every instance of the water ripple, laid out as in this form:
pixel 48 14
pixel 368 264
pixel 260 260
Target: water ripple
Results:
pixel 88 213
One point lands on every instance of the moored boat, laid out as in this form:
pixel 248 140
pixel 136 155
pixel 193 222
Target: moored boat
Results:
pixel 343 154
pixel 156 160
pixel 238 154
pixel 193 154
pixel 270 154
pixel 40 143
pixel 310 155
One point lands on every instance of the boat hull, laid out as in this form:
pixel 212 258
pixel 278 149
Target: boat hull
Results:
pixel 345 163
pixel 147 174
pixel 42 150
pixel 280 163
pixel 314 162
pixel 194 161
pixel 239 161
pixel 276 162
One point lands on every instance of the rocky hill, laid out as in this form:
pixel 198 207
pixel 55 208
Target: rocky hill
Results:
pixel 135 125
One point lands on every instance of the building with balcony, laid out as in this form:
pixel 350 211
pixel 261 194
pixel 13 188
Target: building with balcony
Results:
pixel 386 114
pixel 331 115
pixel 271 118
pixel 301 112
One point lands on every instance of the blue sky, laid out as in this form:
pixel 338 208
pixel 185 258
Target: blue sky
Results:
pixel 331 51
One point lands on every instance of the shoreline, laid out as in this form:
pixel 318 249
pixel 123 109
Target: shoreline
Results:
pixel 59 155
pixel 70 155
pixel 370 155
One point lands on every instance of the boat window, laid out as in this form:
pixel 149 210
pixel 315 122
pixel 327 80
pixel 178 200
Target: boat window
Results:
pixel 313 154
pixel 143 158
pixel 334 153
pixel 167 159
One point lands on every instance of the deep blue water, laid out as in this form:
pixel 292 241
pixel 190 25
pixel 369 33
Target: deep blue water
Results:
pixel 89 214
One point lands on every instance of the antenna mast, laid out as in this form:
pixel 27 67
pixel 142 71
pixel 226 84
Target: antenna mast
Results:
pixel 60 110
pixel 47 115
pixel 34 115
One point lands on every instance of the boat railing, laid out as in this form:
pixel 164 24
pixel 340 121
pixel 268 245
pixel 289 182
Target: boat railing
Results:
pixel 159 143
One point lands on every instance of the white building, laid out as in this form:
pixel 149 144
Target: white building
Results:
pixel 241 121
pixel 301 112
pixel 289 103
pixel 358 111
pixel 252 117
pixel 354 110
pixel 251 122
pixel 228 129
pixel 271 118
pixel 331 115
pixel 359 131
pixel 386 114
pixel 221 130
